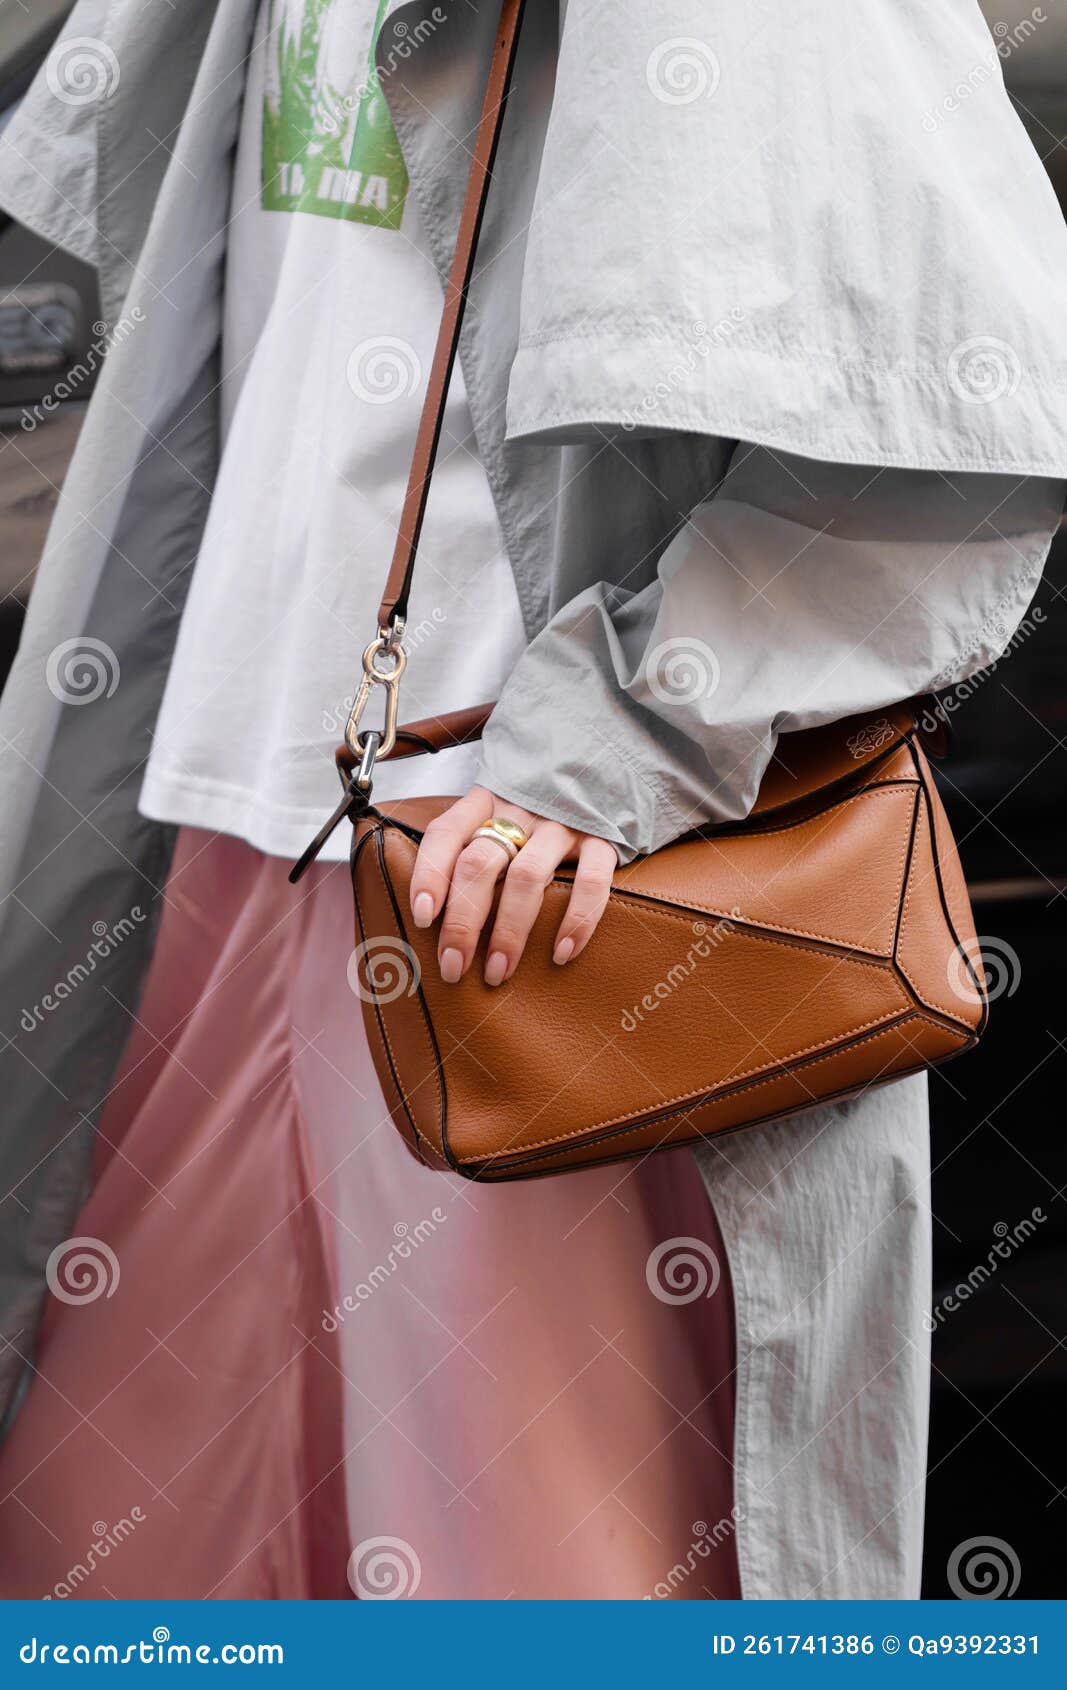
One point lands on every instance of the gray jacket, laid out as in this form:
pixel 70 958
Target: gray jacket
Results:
pixel 661 270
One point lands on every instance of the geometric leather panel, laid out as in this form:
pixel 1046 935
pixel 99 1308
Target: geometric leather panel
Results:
pixel 732 980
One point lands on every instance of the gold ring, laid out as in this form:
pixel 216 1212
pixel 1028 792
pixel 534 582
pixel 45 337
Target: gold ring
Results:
pixel 504 832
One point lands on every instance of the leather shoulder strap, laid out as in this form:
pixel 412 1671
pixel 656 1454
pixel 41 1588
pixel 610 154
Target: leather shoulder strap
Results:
pixel 398 585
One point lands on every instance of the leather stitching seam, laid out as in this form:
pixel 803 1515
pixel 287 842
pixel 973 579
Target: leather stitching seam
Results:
pixel 376 1022
pixel 873 788
pixel 754 1085
pixel 406 1096
pixel 930 868
pixel 781 926
pixel 778 1062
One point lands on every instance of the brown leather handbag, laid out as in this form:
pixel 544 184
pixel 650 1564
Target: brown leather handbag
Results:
pixel 738 975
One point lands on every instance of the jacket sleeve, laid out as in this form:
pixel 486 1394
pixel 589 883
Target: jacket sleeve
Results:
pixel 48 149
pixel 802 593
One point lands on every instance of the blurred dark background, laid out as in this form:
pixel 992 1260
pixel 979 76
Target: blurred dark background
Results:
pixel 997 1454
pixel 998 1457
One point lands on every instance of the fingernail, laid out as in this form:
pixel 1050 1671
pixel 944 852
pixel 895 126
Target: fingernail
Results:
pixel 563 951
pixel 422 910
pixel 451 966
pixel 496 968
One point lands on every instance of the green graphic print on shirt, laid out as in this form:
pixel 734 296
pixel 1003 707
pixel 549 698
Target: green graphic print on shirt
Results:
pixel 329 146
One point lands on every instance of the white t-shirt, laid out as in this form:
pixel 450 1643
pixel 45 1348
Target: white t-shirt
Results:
pixel 331 311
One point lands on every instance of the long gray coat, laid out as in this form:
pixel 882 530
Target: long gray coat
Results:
pixel 796 198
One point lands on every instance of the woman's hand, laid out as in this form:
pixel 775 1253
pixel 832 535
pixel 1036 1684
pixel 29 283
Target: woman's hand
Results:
pixel 459 874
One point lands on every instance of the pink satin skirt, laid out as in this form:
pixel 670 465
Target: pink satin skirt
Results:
pixel 281 1359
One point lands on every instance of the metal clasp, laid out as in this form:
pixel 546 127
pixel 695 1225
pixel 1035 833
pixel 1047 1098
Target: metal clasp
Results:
pixel 386 645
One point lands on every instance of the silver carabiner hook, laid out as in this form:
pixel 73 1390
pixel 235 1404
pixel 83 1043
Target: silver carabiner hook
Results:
pixel 385 645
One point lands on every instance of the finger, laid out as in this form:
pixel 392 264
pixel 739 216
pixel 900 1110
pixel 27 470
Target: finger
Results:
pixel 597 862
pixel 522 897
pixel 442 843
pixel 474 879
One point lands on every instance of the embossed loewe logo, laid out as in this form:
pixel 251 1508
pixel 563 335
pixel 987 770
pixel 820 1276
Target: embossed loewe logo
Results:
pixel 870 738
